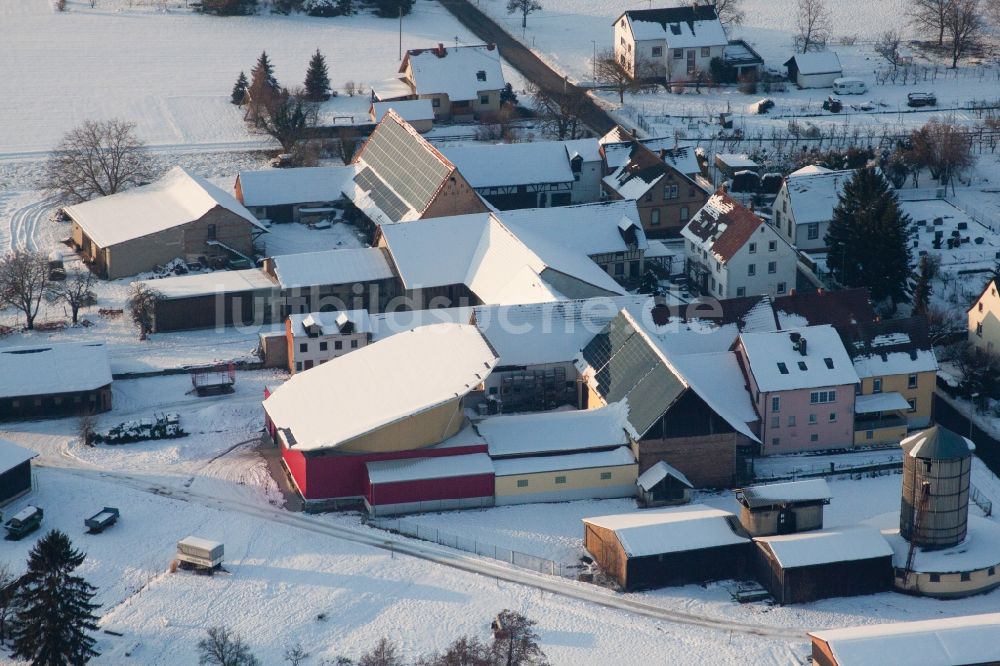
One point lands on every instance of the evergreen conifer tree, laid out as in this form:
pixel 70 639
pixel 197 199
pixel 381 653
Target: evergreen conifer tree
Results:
pixel 55 612
pixel 265 70
pixel 922 290
pixel 868 239
pixel 317 82
pixel 239 90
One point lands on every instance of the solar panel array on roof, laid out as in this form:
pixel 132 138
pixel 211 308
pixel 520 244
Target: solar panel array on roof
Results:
pixel 381 195
pixel 402 160
pixel 628 367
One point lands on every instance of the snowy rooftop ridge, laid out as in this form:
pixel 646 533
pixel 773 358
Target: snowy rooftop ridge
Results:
pixel 674 530
pixel 558 431
pixel 177 198
pixel 511 164
pixel 682 27
pixel 48 369
pixel 805 549
pixel 813 196
pixel 12 455
pixel 274 187
pixel 379 384
pixel 343 266
pixel 460 72
pixel 778 364
pixel 661 470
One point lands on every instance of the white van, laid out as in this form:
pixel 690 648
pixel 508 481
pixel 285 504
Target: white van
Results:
pixel 849 86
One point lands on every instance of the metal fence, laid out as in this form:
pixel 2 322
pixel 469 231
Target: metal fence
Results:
pixel 432 534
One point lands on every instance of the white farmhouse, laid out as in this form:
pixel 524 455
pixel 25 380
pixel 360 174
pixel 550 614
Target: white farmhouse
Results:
pixel 675 43
pixel 805 203
pixel 730 252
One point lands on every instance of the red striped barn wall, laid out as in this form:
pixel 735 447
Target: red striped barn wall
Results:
pixel 425 490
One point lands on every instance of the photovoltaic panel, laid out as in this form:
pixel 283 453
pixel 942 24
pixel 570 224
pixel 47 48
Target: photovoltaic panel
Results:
pixel 381 195
pixel 404 162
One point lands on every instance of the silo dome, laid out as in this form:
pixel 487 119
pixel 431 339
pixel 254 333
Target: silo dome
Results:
pixel 937 465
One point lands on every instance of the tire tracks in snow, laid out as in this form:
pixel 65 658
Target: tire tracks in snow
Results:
pixel 395 544
pixel 26 224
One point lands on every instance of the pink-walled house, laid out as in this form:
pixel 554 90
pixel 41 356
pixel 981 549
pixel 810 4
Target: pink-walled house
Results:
pixel 802 384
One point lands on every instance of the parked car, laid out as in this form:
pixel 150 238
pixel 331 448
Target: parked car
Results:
pixel 849 86
pixel 23 522
pixel 916 99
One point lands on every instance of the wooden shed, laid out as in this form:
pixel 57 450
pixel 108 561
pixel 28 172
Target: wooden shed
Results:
pixel 662 484
pixel 783 508
pixel 796 568
pixel 15 471
pixel 51 380
pixel 673 546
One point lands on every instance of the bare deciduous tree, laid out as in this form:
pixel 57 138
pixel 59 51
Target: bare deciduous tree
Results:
pixel 525 7
pixel 943 148
pixel 887 45
pixel 24 282
pixel 289 119
pixel 383 654
pixel 729 11
pixel 296 654
pixel 142 307
pixel 76 291
pixel 929 15
pixel 221 647
pixel 96 159
pixel 813 25
pixel 612 73
pixel 515 641
pixel 85 427
pixel 963 26
pixel 559 111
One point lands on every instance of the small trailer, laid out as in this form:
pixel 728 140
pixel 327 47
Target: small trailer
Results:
pixel 217 380
pixel 199 554
pixel 24 522
pixel 102 520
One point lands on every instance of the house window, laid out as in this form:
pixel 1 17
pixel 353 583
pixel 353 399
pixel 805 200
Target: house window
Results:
pixel 813 231
pixel 772 267
pixel 913 405
pixel 833 417
pixel 678 54
pixel 522 483
pixel 781 287
pixel 211 232
pixel 753 248
pixel 814 437
pixel 752 270
pixel 712 284
pixel 484 100
pixel 323 346
pixel 776 403
pixel 605 476
pixel 654 217
pixel 684 214
pixel 338 344
pixel 980 307
pixel 935 578
pixel 775 441
pixel 657 51
pixel 911 381
pixel 298 366
pixel 775 421
pixel 782 368
pixel 705 51
pixel 354 344
pixel 620 268
pixel 822 397
pixel 481 75
pixel 877 385
pixel 718 267
pixel 966 576
pixel 991 571
pixel 869 434
pixel 649 195
pixel 741 291
pixel 979 330
pixel 304 347
pixel 812 419
pixel 772 246
pixel 791 421
pixel 436 102
pixel 560 479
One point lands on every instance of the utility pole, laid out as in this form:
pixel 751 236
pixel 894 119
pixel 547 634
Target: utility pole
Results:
pixel 594 63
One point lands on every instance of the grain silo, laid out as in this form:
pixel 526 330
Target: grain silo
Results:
pixel 937 464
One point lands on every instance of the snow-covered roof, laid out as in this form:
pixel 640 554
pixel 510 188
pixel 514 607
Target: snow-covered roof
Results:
pixel 12 455
pixel 533 334
pixel 460 72
pixel 410 110
pixel 658 250
pixel 379 384
pixel 979 550
pixel 896 363
pixel 589 150
pixel 330 323
pixel 661 470
pixel 682 27
pixel 722 227
pixel 480 252
pixel 814 196
pixel 939 443
pixel 950 641
pixel 211 282
pixel 423 469
pixel 736 160
pixel 594 228
pixel 510 164
pixel 277 187
pixel 674 530
pixel 844 544
pixel 879 402
pixel 385 324
pixel 810 170
pixel 538 464
pixel 682 158
pixel 66 367
pixel 344 266
pixel 641 171
pixel 177 198
pixel 777 365
pixel 819 62
pixel 559 431
pixel 809 490
pixel 198 542
pixel 718 380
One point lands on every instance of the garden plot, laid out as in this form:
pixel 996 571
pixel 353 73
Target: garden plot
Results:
pixel 940 229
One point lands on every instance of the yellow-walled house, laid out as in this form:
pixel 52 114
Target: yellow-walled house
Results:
pixel 984 319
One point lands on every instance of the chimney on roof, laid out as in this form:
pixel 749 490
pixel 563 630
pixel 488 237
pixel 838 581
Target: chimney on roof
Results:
pixel 663 153
pixel 439 51
pixel 634 132
pixel 491 46
pixel 802 346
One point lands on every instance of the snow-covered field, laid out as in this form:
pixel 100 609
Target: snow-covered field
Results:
pixel 170 71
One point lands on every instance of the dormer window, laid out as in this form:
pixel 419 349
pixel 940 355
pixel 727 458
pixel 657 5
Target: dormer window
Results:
pixel 481 75
pixel 829 363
